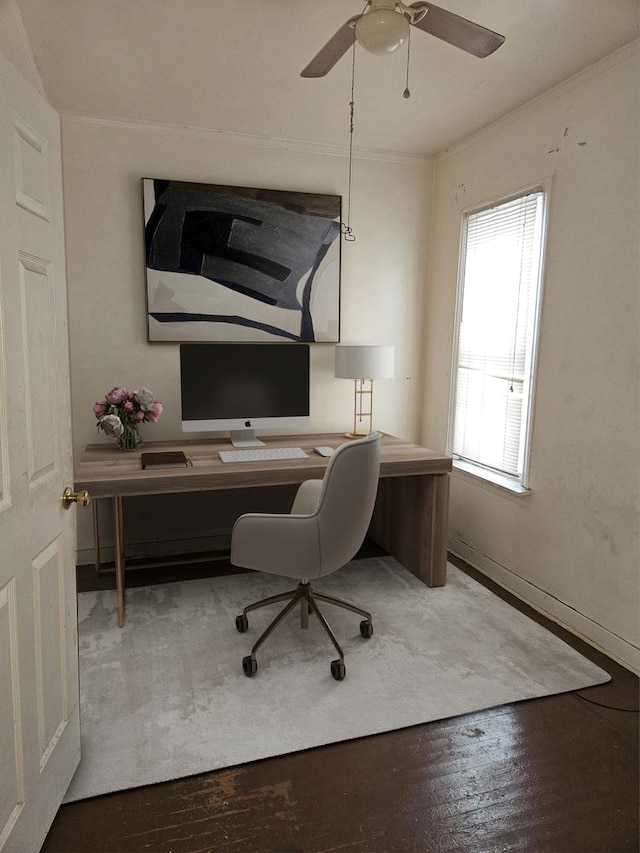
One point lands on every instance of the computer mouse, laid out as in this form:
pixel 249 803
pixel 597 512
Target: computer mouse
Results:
pixel 323 451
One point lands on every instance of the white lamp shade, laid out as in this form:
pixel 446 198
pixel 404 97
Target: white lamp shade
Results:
pixel 364 362
pixel 381 30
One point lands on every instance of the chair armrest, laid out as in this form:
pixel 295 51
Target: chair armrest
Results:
pixel 307 498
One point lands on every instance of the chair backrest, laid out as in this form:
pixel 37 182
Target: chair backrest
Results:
pixel 346 503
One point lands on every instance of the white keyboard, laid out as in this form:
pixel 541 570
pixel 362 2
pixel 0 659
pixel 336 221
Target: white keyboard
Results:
pixel 262 454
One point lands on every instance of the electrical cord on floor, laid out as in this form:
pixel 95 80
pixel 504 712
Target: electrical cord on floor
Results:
pixel 608 707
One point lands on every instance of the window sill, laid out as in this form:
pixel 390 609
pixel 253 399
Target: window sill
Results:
pixel 492 480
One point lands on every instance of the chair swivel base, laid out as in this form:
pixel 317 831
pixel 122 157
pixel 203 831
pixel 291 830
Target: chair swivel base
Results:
pixel 308 600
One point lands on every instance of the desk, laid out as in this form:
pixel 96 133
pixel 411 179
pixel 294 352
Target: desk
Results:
pixel 409 520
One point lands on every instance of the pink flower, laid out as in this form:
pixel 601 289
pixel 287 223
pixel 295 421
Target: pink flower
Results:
pixel 99 408
pixel 128 405
pixel 116 395
pixel 154 414
pixel 140 415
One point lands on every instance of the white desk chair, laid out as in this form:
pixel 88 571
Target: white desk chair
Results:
pixel 327 524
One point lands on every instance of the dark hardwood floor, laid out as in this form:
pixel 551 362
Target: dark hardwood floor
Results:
pixel 551 775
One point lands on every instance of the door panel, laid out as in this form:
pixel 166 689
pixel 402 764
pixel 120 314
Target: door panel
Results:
pixel 39 716
pixel 11 783
pixel 38 335
pixel 51 664
pixel 31 169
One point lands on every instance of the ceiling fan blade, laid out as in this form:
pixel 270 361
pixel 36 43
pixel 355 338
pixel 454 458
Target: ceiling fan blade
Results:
pixel 333 50
pixel 458 31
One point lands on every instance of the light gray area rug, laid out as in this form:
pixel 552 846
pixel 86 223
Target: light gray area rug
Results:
pixel 165 696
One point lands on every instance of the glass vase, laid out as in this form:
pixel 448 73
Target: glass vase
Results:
pixel 130 438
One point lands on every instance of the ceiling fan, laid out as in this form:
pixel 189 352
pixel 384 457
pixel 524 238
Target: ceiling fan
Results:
pixel 384 26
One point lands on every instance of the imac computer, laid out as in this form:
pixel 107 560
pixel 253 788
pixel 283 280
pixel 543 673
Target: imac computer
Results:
pixel 244 387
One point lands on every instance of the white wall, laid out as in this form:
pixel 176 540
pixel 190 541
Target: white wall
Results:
pixel 571 547
pixel 383 274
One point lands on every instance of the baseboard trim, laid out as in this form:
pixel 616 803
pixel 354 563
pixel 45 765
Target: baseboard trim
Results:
pixel 578 624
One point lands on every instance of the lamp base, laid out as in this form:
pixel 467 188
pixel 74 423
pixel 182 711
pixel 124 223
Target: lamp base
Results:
pixel 362 434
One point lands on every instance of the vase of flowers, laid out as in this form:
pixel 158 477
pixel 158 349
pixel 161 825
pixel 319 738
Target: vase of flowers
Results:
pixel 130 438
pixel 121 412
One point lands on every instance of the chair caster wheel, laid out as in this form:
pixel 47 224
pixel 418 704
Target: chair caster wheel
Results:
pixel 249 666
pixel 366 629
pixel 338 670
pixel 242 623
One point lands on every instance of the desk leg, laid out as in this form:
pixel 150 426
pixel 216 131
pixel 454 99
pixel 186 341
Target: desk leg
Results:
pixel 410 521
pixel 120 557
pixel 96 536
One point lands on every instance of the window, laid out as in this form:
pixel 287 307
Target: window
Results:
pixel 499 296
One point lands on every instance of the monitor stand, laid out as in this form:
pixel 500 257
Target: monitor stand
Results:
pixel 245 438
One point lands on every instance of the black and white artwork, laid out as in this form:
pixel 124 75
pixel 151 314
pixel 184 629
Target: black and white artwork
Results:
pixel 241 264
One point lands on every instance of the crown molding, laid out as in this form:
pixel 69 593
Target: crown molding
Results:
pixel 226 137
pixel 623 54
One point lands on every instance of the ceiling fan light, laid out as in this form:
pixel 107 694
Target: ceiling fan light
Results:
pixel 382 30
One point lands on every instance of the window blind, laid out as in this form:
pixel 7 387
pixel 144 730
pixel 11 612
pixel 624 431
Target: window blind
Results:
pixel 500 261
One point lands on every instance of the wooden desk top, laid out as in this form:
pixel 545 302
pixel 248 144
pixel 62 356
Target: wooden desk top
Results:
pixel 107 471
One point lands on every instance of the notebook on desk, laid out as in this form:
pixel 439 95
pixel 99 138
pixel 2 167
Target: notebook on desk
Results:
pixel 164 459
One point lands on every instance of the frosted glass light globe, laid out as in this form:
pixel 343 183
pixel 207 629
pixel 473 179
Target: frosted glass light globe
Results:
pixel 382 30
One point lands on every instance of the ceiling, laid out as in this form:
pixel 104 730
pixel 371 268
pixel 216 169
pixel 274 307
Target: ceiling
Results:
pixel 234 65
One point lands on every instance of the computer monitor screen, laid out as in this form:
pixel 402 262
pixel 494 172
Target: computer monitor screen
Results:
pixel 244 387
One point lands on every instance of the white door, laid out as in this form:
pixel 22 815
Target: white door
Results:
pixel 39 710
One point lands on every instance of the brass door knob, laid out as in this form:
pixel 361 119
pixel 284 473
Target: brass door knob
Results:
pixel 69 497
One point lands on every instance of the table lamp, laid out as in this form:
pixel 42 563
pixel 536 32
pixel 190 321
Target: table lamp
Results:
pixel 363 364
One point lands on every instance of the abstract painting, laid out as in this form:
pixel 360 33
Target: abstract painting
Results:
pixel 240 263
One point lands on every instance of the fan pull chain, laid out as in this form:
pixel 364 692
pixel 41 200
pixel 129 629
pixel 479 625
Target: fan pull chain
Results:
pixel 407 93
pixel 345 228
